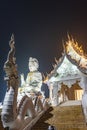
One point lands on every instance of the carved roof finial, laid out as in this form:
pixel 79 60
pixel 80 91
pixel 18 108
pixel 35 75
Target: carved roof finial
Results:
pixel 68 36
pixel 12 41
pixel 56 60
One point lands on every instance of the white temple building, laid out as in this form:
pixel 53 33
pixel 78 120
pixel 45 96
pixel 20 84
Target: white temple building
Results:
pixel 68 79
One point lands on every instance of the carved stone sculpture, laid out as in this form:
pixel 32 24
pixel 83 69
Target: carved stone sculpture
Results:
pixel 34 77
pixel 13 112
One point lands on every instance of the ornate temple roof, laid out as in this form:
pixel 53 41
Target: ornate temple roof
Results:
pixel 76 55
pixel 71 64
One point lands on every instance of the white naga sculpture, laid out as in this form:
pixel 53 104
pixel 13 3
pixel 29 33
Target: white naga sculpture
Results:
pixel 19 114
pixel 33 81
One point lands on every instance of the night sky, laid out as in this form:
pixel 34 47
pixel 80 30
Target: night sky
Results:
pixel 39 27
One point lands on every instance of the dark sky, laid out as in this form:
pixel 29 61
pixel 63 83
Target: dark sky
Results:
pixel 39 27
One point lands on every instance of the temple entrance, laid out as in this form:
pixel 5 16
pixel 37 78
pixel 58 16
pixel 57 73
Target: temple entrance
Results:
pixel 78 94
pixel 74 92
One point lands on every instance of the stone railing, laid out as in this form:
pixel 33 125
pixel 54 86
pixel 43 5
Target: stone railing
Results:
pixel 29 111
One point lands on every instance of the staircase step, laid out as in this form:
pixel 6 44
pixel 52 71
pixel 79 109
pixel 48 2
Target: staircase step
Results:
pixel 63 117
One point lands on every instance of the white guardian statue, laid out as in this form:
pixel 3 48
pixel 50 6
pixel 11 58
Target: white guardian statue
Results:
pixel 34 77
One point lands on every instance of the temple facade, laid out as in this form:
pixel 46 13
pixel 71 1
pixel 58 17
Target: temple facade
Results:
pixel 68 79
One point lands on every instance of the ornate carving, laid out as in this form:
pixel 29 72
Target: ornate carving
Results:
pixel 13 113
pixel 10 66
pixel 9 111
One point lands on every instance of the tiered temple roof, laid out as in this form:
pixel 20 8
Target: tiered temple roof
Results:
pixel 72 62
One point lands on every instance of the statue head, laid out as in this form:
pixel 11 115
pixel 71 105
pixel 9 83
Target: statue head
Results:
pixel 33 64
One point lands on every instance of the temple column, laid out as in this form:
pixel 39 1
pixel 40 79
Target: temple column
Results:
pixel 84 97
pixel 51 92
pixel 54 93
